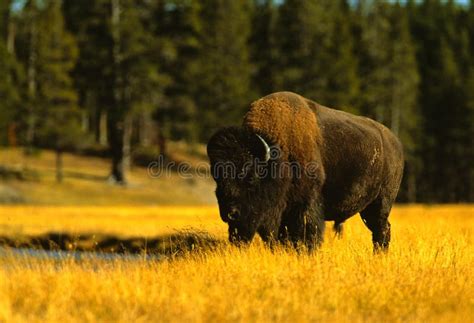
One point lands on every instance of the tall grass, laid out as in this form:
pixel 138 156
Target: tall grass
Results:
pixel 426 276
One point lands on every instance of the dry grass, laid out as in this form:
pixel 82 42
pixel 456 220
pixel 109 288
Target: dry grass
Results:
pixel 120 221
pixel 86 183
pixel 427 276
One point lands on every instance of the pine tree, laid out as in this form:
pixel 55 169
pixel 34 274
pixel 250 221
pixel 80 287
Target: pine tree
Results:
pixel 10 81
pixel 58 121
pixel 442 54
pixel 390 79
pixel 264 46
pixel 404 116
pixel 223 81
pixel 344 82
pixel 468 133
pixel 88 21
pixel 118 75
pixel 28 54
pixel 296 33
pixel 179 27
pixel 375 61
pixel 469 89
pixel 137 81
pixel 316 56
pixel 4 18
pixel 10 94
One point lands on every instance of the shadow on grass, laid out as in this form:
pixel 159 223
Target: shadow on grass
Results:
pixel 85 176
pixel 167 245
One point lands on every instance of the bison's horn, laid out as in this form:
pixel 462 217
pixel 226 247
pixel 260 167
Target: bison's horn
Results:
pixel 267 148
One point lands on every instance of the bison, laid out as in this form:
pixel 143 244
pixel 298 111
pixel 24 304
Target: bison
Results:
pixel 295 164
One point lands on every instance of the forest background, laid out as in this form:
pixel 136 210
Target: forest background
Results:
pixel 123 78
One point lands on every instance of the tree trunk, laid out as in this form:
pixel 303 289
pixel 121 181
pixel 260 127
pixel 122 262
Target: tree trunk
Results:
pixel 470 196
pixel 102 129
pixel 411 184
pixel 127 137
pixel 144 129
pixel 11 37
pixel 31 74
pixel 116 131
pixel 379 113
pixel 116 115
pixel 59 165
pixel 12 135
pixel 162 144
pixel 85 121
pixel 395 117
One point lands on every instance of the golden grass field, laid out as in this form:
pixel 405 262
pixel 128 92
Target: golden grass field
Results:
pixel 427 275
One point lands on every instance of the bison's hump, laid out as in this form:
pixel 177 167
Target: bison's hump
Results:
pixel 287 121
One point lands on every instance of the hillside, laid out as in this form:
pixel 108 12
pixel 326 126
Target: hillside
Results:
pixel 86 183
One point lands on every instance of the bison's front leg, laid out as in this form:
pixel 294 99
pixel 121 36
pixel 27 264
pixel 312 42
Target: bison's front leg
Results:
pixel 268 236
pixel 269 227
pixel 303 224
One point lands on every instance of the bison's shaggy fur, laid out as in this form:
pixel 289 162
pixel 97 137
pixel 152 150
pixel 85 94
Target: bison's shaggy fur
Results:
pixel 325 164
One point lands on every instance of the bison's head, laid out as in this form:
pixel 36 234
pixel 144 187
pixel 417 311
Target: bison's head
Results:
pixel 249 193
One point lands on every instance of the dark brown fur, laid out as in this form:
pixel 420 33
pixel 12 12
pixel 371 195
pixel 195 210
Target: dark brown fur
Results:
pixel 346 164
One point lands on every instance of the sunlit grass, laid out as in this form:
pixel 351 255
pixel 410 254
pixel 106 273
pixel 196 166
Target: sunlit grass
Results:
pixel 122 221
pixel 85 182
pixel 427 275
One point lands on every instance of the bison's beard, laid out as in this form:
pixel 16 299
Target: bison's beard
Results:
pixel 240 233
pixel 266 224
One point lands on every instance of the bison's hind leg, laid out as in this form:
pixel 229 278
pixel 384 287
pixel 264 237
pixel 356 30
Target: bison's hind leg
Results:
pixel 375 217
pixel 338 229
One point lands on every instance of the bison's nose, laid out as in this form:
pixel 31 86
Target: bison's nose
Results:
pixel 233 214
